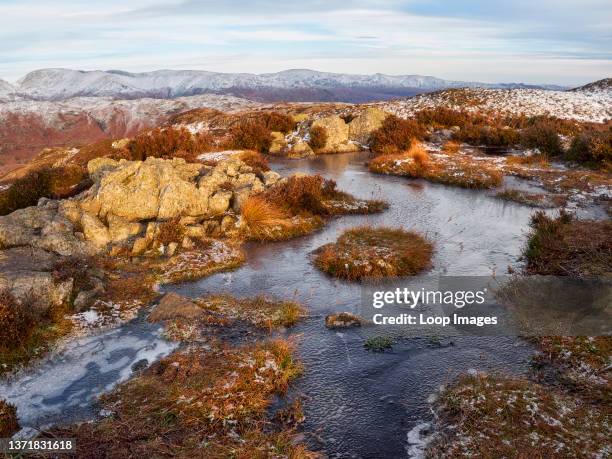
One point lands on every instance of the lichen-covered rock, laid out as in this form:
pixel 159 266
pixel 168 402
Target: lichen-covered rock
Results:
pixel 43 227
pixel 337 134
pixel 300 149
pixel 173 306
pixel 95 231
pixel 26 273
pixel 121 229
pixel 159 189
pixel 140 246
pixel 363 125
pixel 279 144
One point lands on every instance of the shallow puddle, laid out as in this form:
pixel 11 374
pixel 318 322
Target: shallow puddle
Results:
pixel 362 404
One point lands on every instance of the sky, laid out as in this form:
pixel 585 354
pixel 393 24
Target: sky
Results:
pixel 534 41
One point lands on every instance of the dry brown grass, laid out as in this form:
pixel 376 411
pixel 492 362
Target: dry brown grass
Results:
pixel 494 416
pixel 565 246
pixel 261 217
pixel 367 252
pixel 540 160
pixel 262 312
pixel 451 147
pixel 256 160
pixel 541 200
pixel 578 364
pixel 9 424
pixel 198 403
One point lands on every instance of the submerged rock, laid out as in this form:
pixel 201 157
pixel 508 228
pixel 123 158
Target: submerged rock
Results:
pixel 174 306
pixel 343 320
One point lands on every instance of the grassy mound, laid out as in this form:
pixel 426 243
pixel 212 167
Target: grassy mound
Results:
pixel 298 206
pixel 198 403
pixel 496 416
pixel 452 169
pixel 565 246
pixel 367 252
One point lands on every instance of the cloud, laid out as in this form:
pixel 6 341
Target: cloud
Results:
pixel 561 42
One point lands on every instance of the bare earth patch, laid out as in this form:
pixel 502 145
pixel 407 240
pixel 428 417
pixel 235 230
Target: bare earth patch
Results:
pixel 375 253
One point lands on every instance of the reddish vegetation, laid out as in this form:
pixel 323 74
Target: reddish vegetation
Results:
pixel 256 160
pixel 395 135
pixel 15 324
pixel 251 134
pixel 60 182
pixel 565 246
pixel 318 138
pixel 169 142
pixel 9 423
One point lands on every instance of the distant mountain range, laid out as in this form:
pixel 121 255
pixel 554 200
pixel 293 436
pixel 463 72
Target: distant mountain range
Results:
pixel 288 85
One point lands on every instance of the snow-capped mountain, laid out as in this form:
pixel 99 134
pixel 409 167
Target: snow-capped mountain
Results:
pixel 60 84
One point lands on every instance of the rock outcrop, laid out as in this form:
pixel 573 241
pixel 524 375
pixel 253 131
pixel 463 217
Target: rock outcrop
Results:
pixel 364 124
pixel 158 189
pixel 337 135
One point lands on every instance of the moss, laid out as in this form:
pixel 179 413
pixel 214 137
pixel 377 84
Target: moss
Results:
pixel 378 344
pixel 366 252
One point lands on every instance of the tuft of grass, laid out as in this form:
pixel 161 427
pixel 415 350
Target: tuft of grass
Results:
pixel 531 160
pixel 262 218
pixel 451 147
pixel 262 312
pixel 366 252
pixel 256 160
pixel 378 344
pixel 565 246
pixel 9 424
pixel 318 138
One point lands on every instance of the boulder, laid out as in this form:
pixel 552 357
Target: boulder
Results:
pixel 362 126
pixel 94 230
pixel 279 144
pixel 219 202
pixel 26 273
pixel 174 306
pixel 300 150
pixel 337 134
pixel 270 178
pixel 121 229
pixel 42 227
pixel 343 320
pixel 140 246
pixel 97 167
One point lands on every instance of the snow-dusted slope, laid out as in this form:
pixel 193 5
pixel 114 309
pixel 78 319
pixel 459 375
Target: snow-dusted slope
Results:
pixel 593 105
pixel 58 84
pixel 6 91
